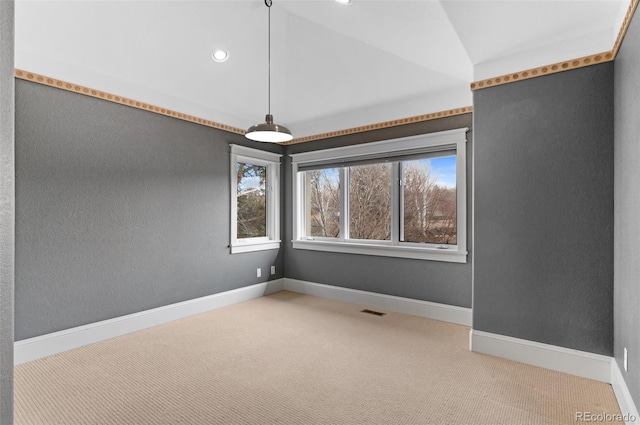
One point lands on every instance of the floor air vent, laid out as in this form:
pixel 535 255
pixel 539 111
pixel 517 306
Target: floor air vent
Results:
pixel 375 313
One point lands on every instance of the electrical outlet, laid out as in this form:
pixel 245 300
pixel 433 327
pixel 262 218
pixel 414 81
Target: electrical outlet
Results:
pixel 273 269
pixel 626 360
pixel 259 273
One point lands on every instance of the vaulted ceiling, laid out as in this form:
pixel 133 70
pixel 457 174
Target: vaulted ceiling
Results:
pixel 333 66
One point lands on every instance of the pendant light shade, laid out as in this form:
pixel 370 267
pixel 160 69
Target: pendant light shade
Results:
pixel 268 131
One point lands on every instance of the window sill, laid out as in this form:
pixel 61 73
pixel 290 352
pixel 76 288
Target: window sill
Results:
pixel 240 248
pixel 400 251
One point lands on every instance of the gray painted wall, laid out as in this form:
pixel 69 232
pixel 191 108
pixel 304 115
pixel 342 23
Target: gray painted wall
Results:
pixel 627 207
pixel 118 210
pixel 543 249
pixel 7 211
pixel 434 281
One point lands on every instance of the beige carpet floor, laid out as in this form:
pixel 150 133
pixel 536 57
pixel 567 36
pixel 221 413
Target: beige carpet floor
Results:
pixel 295 359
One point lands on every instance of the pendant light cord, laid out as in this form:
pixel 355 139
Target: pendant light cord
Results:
pixel 268 132
pixel 269 3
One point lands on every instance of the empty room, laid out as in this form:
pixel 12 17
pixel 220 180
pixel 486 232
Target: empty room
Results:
pixel 319 212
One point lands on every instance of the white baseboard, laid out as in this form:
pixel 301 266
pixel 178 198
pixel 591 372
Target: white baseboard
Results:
pixel 57 342
pixel 574 362
pixel 625 401
pixel 46 345
pixel 431 310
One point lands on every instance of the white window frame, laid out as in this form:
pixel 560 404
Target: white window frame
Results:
pixel 272 162
pixel 444 140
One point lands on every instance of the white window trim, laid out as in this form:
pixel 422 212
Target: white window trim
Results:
pixel 445 139
pixel 272 162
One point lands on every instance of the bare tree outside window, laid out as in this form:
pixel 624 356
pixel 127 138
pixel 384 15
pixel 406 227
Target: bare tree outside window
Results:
pixel 323 201
pixel 404 198
pixel 251 200
pixel 429 207
pixel 370 202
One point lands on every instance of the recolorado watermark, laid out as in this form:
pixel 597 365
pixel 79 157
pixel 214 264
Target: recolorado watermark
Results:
pixel 605 417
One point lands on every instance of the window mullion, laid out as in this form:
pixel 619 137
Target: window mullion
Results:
pixel 396 200
pixel 269 201
pixel 303 213
pixel 234 200
pixel 267 204
pixel 344 203
pixel 401 201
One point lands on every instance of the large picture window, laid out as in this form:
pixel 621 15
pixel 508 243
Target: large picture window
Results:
pixel 402 198
pixel 255 177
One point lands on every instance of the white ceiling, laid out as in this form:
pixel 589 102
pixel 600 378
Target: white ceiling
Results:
pixel 333 67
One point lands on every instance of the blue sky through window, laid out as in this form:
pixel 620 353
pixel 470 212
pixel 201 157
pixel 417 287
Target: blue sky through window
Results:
pixel 444 168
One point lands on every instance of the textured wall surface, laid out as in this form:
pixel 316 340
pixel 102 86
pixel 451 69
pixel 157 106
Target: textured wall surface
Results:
pixel 543 249
pixel 7 211
pixel 435 281
pixel 119 210
pixel 627 207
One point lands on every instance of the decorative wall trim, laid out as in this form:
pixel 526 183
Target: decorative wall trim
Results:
pixel 57 342
pixel 566 65
pixel 625 26
pixel 544 70
pixel 625 401
pixel 386 124
pixel 430 310
pixel 490 82
pixel 574 362
pixel 63 85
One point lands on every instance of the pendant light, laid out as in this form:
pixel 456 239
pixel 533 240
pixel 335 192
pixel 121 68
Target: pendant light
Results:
pixel 268 131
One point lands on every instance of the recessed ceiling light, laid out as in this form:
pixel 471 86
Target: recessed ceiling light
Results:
pixel 220 55
pixel 344 2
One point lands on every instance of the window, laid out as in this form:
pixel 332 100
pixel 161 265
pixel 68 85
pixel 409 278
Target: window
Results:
pixel 322 197
pixel 429 213
pixel 369 201
pixel 255 200
pixel 400 198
